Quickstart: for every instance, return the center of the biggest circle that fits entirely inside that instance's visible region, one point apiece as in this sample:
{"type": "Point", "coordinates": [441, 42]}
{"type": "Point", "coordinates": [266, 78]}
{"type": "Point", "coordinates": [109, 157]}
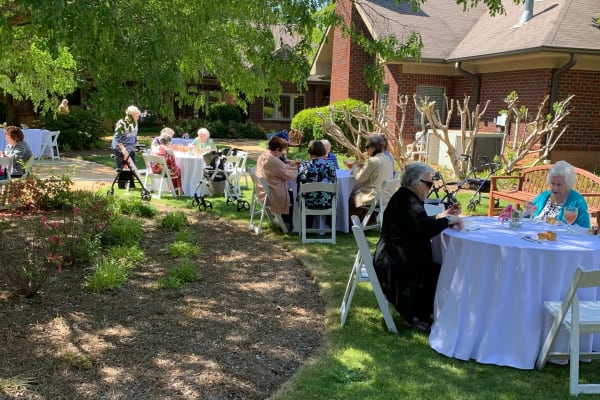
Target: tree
{"type": "Point", "coordinates": [154, 52]}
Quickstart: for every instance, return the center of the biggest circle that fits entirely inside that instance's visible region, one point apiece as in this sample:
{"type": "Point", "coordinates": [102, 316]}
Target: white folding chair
{"type": "Point", "coordinates": [386, 190]}
{"type": "Point", "coordinates": [7, 164]}
{"type": "Point", "coordinates": [417, 151]}
{"type": "Point", "coordinates": [50, 145]}
{"type": "Point", "coordinates": [363, 271]}
{"type": "Point", "coordinates": [577, 317]}
{"type": "Point", "coordinates": [434, 209]}
{"type": "Point", "coordinates": [160, 178]}
{"type": "Point", "coordinates": [305, 211]}
{"type": "Point", "coordinates": [260, 206]}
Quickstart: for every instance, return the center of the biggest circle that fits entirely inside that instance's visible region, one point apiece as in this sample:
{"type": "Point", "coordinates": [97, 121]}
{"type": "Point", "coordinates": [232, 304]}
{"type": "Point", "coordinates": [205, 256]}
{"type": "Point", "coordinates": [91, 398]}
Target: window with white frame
{"type": "Point", "coordinates": [383, 102]}
{"type": "Point", "coordinates": [289, 105]}
{"type": "Point", "coordinates": [432, 93]}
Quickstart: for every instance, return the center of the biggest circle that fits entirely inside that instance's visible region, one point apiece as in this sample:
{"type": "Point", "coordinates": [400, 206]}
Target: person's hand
{"type": "Point", "coordinates": [456, 222]}
{"type": "Point", "coordinates": [530, 208]}
{"type": "Point", "coordinates": [455, 209]}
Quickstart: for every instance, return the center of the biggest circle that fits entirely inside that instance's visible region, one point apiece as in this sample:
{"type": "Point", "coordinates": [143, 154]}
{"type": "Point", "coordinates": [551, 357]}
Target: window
{"type": "Point", "coordinates": [433, 93]}
{"type": "Point", "coordinates": [289, 105]}
{"type": "Point", "coordinates": [383, 102]}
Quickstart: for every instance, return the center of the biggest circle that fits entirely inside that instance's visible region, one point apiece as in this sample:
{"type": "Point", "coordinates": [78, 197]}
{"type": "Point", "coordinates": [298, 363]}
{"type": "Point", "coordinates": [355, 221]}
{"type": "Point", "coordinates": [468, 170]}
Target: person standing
{"type": "Point", "coordinates": [124, 141]}
{"type": "Point", "coordinates": [63, 108]}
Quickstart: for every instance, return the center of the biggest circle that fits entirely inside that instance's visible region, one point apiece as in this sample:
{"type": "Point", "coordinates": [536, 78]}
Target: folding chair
{"type": "Point", "coordinates": [577, 317]}
{"type": "Point", "coordinates": [386, 190]}
{"type": "Point", "coordinates": [163, 176]}
{"type": "Point", "coordinates": [51, 145]}
{"type": "Point", "coordinates": [305, 211]}
{"type": "Point", "coordinates": [260, 206]}
{"type": "Point", "coordinates": [363, 271]}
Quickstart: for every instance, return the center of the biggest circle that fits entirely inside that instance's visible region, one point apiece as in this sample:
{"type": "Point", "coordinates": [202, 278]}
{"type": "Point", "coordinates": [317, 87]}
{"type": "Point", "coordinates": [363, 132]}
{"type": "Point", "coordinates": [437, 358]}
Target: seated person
{"type": "Point", "coordinates": [316, 169]}
{"type": "Point", "coordinates": [277, 174]}
{"type": "Point", "coordinates": [164, 150]}
{"type": "Point", "coordinates": [551, 203]}
{"type": "Point", "coordinates": [164, 131]}
{"type": "Point", "coordinates": [18, 149]}
{"type": "Point", "coordinates": [329, 156]}
{"type": "Point", "coordinates": [370, 176]}
{"type": "Point", "coordinates": [203, 141]}
{"type": "Point", "coordinates": [403, 257]}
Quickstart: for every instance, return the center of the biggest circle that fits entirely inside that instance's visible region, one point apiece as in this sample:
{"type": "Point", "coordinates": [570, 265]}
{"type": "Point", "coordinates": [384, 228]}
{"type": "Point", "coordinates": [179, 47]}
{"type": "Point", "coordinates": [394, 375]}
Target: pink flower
{"type": "Point", "coordinates": [76, 210]}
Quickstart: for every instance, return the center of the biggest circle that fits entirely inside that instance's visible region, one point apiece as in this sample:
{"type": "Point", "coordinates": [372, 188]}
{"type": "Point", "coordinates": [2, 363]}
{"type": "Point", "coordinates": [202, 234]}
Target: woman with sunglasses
{"type": "Point", "coordinates": [370, 176]}
{"type": "Point", "coordinates": [403, 259]}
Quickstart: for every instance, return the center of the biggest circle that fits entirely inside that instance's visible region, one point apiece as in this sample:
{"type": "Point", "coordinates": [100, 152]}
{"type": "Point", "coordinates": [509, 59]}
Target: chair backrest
{"type": "Point", "coordinates": [54, 137]}
{"type": "Point", "coordinates": [310, 187]}
{"type": "Point", "coordinates": [258, 205]}
{"type": "Point", "coordinates": [434, 209]}
{"type": "Point", "coordinates": [295, 138]}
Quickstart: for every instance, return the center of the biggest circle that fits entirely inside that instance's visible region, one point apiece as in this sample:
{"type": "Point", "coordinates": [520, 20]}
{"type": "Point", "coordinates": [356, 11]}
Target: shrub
{"type": "Point", "coordinates": [124, 231]}
{"type": "Point", "coordinates": [135, 207]}
{"type": "Point", "coordinates": [180, 274]}
{"type": "Point", "coordinates": [173, 221]}
{"type": "Point", "coordinates": [108, 274]}
{"type": "Point", "coordinates": [35, 194]}
{"type": "Point", "coordinates": [311, 124]}
{"type": "Point", "coordinates": [185, 235]}
{"type": "Point", "coordinates": [182, 250]}
{"type": "Point", "coordinates": [127, 256]}
{"type": "Point", "coordinates": [79, 130]}
{"type": "Point", "coordinates": [224, 112]}
{"type": "Point", "coordinates": [218, 129]}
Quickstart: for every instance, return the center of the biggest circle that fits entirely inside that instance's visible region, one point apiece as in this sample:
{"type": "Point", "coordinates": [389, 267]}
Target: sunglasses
{"type": "Point", "coordinates": [428, 183]}
{"type": "Point", "coordinates": [367, 146]}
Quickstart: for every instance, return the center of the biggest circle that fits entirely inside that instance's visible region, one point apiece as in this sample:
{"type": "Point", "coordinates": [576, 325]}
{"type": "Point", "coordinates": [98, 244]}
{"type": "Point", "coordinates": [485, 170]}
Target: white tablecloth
{"type": "Point", "coordinates": [492, 286]}
{"type": "Point", "coordinates": [181, 142]}
{"type": "Point", "coordinates": [345, 183]}
{"type": "Point", "coordinates": [191, 167]}
{"type": "Point", "coordinates": [35, 138]}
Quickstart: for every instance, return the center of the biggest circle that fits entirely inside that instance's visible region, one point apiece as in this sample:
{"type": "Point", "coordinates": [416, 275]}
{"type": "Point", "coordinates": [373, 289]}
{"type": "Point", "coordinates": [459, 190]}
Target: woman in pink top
{"type": "Point", "coordinates": [276, 173]}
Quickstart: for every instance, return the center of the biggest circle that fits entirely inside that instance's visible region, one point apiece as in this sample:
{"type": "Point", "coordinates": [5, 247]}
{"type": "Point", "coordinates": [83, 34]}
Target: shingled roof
{"type": "Point", "coordinates": [449, 34]}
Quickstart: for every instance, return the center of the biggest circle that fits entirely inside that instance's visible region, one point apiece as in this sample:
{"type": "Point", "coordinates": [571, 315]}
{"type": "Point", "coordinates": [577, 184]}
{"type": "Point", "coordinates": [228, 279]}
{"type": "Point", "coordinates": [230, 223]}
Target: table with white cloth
{"type": "Point", "coordinates": [345, 184]}
{"type": "Point", "coordinates": [191, 167]}
{"type": "Point", "coordinates": [489, 302]}
{"type": "Point", "coordinates": [181, 142]}
{"type": "Point", "coordinates": [35, 138]}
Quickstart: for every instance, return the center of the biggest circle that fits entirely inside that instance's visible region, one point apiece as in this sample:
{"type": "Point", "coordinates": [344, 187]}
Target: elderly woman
{"type": "Point", "coordinates": [551, 203]}
{"type": "Point", "coordinates": [18, 149]}
{"type": "Point", "coordinates": [164, 150]}
{"type": "Point", "coordinates": [403, 259]}
{"type": "Point", "coordinates": [277, 174]}
{"type": "Point", "coordinates": [164, 131]}
{"type": "Point", "coordinates": [329, 156]}
{"type": "Point", "coordinates": [125, 139]}
{"type": "Point", "coordinates": [369, 176]}
{"type": "Point", "coordinates": [203, 141]}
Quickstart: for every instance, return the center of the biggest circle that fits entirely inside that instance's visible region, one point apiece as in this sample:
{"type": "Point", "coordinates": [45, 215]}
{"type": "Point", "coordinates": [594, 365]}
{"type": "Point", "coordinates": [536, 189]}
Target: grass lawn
{"type": "Point", "coordinates": [364, 361]}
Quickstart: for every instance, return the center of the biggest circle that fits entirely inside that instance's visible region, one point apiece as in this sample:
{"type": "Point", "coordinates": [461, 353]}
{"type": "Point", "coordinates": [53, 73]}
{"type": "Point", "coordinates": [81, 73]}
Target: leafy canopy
{"type": "Point", "coordinates": [148, 52]}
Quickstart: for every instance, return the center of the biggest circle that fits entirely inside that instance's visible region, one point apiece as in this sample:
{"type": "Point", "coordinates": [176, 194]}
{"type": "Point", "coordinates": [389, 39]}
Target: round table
{"type": "Point", "coordinates": [493, 284]}
{"type": "Point", "coordinates": [192, 168]}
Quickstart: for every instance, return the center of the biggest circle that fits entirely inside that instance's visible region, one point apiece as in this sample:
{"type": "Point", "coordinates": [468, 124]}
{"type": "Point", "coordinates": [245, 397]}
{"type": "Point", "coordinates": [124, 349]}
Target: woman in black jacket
{"type": "Point", "coordinates": [403, 259]}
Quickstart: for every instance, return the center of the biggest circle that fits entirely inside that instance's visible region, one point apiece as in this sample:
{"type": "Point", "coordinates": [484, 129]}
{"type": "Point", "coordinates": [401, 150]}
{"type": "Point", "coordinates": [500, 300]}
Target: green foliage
{"type": "Point", "coordinates": [182, 250]}
{"type": "Point", "coordinates": [218, 129]}
{"type": "Point", "coordinates": [79, 130]}
{"type": "Point", "coordinates": [129, 256]}
{"type": "Point", "coordinates": [135, 207]}
{"type": "Point", "coordinates": [311, 124]}
{"type": "Point", "coordinates": [596, 19]}
{"type": "Point", "coordinates": [177, 276]}
{"type": "Point", "coordinates": [224, 112]}
{"type": "Point", "coordinates": [185, 235]}
{"type": "Point", "coordinates": [33, 193]}
{"type": "Point", "coordinates": [78, 361]}
{"type": "Point", "coordinates": [108, 274]}
{"type": "Point", "coordinates": [173, 221]}
{"type": "Point", "coordinates": [124, 230]}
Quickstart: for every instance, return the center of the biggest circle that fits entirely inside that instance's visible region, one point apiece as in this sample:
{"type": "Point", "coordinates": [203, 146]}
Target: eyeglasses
{"type": "Point", "coordinates": [367, 146]}
{"type": "Point", "coordinates": [428, 183]}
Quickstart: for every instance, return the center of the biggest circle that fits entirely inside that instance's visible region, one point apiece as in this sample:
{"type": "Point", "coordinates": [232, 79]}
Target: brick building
{"type": "Point", "coordinates": [546, 47]}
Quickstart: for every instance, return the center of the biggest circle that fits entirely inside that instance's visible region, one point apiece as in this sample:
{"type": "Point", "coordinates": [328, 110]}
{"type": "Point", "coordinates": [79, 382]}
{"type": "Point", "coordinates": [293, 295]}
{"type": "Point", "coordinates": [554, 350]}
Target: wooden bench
{"type": "Point", "coordinates": [532, 182]}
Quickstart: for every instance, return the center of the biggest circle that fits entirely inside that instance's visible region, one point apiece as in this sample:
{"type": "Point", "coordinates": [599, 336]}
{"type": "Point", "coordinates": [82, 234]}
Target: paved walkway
{"type": "Point", "coordinates": [91, 175]}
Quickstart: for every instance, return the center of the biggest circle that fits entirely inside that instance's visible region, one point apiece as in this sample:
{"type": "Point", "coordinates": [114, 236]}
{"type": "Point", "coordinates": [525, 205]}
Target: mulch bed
{"type": "Point", "coordinates": [238, 333]}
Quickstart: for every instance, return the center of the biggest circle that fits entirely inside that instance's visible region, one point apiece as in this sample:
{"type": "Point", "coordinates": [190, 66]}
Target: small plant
{"type": "Point", "coordinates": [15, 383]}
{"type": "Point", "coordinates": [124, 231]}
{"type": "Point", "coordinates": [185, 235]}
{"type": "Point", "coordinates": [127, 256]}
{"type": "Point", "coordinates": [173, 221]}
{"type": "Point", "coordinates": [179, 275]}
{"type": "Point", "coordinates": [136, 208]}
{"type": "Point", "coordinates": [108, 274]}
{"type": "Point", "coordinates": [182, 250]}
{"type": "Point", "coordinates": [78, 362]}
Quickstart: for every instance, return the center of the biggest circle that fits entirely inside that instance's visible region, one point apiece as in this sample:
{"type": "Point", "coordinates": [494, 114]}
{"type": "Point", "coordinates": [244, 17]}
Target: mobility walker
{"type": "Point", "coordinates": [128, 173]}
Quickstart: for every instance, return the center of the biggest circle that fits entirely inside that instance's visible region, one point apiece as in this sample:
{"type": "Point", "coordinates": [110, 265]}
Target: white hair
{"type": "Point", "coordinates": [564, 169]}
{"type": "Point", "coordinates": [327, 144]}
{"type": "Point", "coordinates": [167, 131]}
{"type": "Point", "coordinates": [203, 131]}
{"type": "Point", "coordinates": [132, 110]}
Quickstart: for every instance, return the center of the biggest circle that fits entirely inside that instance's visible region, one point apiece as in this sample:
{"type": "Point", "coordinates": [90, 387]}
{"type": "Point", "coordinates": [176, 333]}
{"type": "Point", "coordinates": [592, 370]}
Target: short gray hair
{"type": "Point", "coordinates": [414, 172]}
{"type": "Point", "coordinates": [167, 131]}
{"type": "Point", "coordinates": [132, 110]}
{"type": "Point", "coordinates": [203, 131]}
{"type": "Point", "coordinates": [564, 169]}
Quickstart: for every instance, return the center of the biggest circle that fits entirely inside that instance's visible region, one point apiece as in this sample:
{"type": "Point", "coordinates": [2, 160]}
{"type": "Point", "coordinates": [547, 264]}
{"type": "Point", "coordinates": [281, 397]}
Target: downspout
{"type": "Point", "coordinates": [527, 12]}
{"type": "Point", "coordinates": [555, 79]}
{"type": "Point", "coordinates": [476, 78]}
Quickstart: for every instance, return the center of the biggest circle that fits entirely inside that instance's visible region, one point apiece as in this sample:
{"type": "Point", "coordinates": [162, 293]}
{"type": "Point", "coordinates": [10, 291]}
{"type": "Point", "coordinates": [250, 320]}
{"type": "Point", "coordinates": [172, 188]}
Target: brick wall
{"type": "Point", "coordinates": [348, 59]}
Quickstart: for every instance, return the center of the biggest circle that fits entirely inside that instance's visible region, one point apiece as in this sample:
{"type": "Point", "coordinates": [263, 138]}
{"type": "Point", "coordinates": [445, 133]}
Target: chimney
{"type": "Point", "coordinates": [527, 13]}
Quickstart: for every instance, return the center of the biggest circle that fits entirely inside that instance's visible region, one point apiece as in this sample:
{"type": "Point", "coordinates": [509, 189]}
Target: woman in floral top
{"type": "Point", "coordinates": [317, 169]}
